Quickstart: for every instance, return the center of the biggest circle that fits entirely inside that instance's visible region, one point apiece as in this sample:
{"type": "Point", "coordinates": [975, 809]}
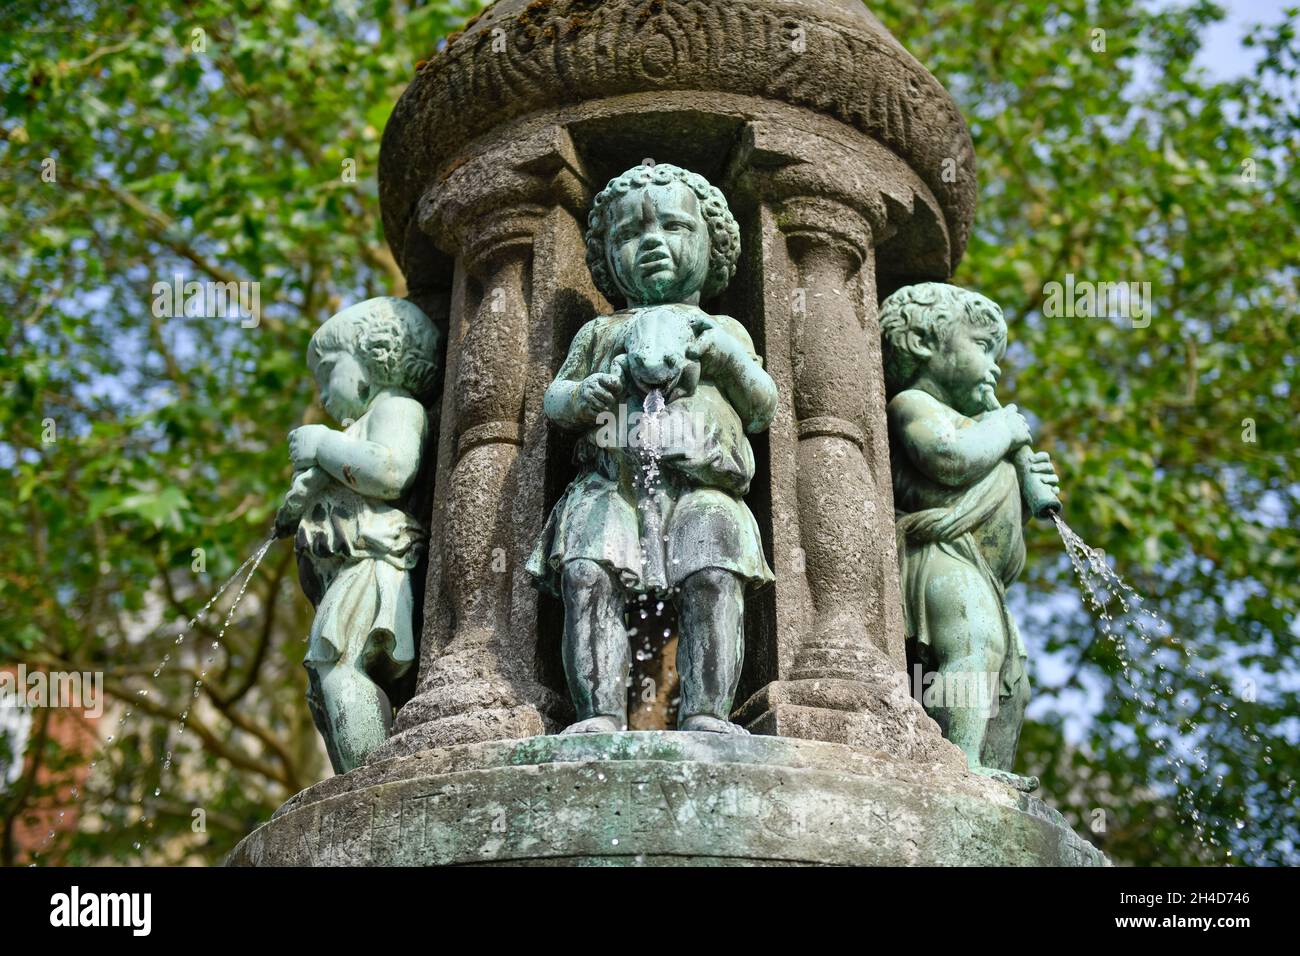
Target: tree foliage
{"type": "Point", "coordinates": [213, 139]}
{"type": "Point", "coordinates": [1175, 440]}
{"type": "Point", "coordinates": [210, 140]}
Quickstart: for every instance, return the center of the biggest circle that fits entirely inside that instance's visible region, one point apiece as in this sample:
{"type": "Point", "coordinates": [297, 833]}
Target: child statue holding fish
{"type": "Point", "coordinates": [647, 516]}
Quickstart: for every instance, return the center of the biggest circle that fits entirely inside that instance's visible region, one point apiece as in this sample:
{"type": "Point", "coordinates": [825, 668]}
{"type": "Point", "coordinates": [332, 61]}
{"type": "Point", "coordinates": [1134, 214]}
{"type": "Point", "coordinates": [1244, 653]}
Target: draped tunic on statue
{"type": "Point", "coordinates": [653, 534]}
{"type": "Point", "coordinates": [355, 557]}
{"type": "Point", "coordinates": [980, 525]}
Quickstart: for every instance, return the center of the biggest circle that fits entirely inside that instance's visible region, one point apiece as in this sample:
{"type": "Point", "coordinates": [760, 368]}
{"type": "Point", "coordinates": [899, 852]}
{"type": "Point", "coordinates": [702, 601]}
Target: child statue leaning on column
{"type": "Point", "coordinates": [661, 238]}
{"type": "Point", "coordinates": [350, 510]}
{"type": "Point", "coordinates": [963, 490]}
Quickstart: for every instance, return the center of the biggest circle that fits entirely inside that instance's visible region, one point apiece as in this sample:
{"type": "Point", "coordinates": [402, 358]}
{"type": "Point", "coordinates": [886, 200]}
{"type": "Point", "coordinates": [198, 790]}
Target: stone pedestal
{"type": "Point", "coordinates": [662, 799]}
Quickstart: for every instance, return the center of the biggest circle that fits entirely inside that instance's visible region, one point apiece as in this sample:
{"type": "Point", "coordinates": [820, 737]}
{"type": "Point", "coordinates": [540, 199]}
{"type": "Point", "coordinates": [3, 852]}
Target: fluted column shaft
{"type": "Point", "coordinates": [478, 677]}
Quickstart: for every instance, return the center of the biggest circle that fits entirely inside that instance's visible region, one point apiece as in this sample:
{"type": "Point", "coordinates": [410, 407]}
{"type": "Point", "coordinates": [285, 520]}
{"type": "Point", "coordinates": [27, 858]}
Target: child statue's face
{"type": "Point", "coordinates": [658, 245]}
{"type": "Point", "coordinates": [344, 385]}
{"type": "Point", "coordinates": [963, 365]}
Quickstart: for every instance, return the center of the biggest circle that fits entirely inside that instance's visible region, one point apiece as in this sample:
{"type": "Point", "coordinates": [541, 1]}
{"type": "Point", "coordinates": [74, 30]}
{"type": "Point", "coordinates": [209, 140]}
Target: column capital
{"type": "Point", "coordinates": [813, 223]}
{"type": "Point", "coordinates": [849, 186]}
{"type": "Point", "coordinates": [494, 201]}
{"type": "Point", "coordinates": [492, 241]}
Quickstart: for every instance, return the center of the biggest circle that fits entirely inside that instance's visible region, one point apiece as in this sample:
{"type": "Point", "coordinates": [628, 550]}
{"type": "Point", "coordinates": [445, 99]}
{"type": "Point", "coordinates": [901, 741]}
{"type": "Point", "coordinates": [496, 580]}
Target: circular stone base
{"type": "Point", "coordinates": [661, 797]}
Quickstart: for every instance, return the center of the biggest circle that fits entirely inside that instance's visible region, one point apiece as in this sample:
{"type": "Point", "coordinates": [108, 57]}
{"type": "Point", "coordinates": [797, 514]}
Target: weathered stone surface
{"type": "Point", "coordinates": [875, 715]}
{"type": "Point", "coordinates": [669, 798]}
{"type": "Point", "coordinates": [827, 56]}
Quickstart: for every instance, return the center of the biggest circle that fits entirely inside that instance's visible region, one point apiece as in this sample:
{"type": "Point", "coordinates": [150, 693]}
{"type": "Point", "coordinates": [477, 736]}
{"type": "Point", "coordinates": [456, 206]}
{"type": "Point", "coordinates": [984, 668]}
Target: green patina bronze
{"type": "Point", "coordinates": [351, 512]}
{"type": "Point", "coordinates": [664, 394]}
{"type": "Point", "coordinates": [965, 481]}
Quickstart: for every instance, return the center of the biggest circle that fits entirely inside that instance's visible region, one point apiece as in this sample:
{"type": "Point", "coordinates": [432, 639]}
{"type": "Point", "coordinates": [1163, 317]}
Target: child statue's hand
{"type": "Point", "coordinates": [304, 443]}
{"type": "Point", "coordinates": [1040, 466]}
{"type": "Point", "coordinates": [305, 485]}
{"type": "Point", "coordinates": [713, 348]}
{"type": "Point", "coordinates": [287, 517]}
{"type": "Point", "coordinates": [1013, 424]}
{"type": "Point", "coordinates": [599, 392]}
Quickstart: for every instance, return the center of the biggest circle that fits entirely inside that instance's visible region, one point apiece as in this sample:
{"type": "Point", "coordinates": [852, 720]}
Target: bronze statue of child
{"type": "Point", "coordinates": [963, 489]}
{"type": "Point", "coordinates": [351, 509]}
{"type": "Point", "coordinates": [672, 524]}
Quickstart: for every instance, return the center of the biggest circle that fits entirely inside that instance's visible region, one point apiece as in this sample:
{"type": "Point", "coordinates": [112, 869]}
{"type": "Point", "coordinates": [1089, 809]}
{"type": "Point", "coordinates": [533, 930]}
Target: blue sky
{"type": "Point", "coordinates": [1223, 55]}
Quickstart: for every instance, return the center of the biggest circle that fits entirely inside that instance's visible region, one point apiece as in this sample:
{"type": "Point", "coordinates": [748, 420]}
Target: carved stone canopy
{"type": "Point", "coordinates": [520, 57]}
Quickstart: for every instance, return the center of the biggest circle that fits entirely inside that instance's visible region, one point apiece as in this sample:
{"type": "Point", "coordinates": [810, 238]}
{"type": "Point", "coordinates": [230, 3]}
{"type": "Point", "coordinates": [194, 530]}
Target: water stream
{"type": "Point", "coordinates": [1121, 613]}
{"type": "Point", "coordinates": [145, 821]}
{"type": "Point", "coordinates": [649, 481]}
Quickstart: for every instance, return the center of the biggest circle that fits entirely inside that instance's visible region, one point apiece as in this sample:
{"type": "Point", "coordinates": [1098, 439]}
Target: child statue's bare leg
{"type": "Point", "coordinates": [969, 643]}
{"type": "Point", "coordinates": [1003, 734]}
{"type": "Point", "coordinates": [965, 624]}
{"type": "Point", "coordinates": [597, 660]}
{"type": "Point", "coordinates": [710, 649]}
{"type": "Point", "coordinates": [351, 712]}
{"type": "Point", "coordinates": [320, 717]}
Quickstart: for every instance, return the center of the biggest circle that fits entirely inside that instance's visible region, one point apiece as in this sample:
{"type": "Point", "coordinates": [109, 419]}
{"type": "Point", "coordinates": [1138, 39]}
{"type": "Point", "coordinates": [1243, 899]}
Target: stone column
{"type": "Point", "coordinates": [478, 676]}
{"type": "Point", "coordinates": [841, 656]}
{"type": "Point", "coordinates": [838, 405]}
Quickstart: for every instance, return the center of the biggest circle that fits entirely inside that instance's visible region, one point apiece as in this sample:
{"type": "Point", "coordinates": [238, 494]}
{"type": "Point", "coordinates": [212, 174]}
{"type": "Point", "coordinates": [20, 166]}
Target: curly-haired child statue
{"type": "Point", "coordinates": [350, 511]}
{"type": "Point", "coordinates": [657, 510]}
{"type": "Point", "coordinates": [965, 481]}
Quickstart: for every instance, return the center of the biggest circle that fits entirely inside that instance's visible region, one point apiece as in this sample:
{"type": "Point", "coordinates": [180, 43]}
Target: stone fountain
{"type": "Point", "coordinates": [850, 174]}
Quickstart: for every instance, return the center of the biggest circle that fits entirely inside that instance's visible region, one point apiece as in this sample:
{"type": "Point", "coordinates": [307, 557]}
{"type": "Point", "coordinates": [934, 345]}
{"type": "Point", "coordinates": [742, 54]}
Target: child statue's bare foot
{"type": "Point", "coordinates": [712, 725]}
{"type": "Point", "coordinates": [594, 725]}
{"type": "Point", "coordinates": [1023, 784]}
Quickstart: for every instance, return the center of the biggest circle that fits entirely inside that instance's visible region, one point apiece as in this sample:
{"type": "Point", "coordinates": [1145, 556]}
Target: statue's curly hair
{"type": "Point", "coordinates": [724, 234]}
{"type": "Point", "coordinates": [925, 314]}
{"type": "Point", "coordinates": [392, 337]}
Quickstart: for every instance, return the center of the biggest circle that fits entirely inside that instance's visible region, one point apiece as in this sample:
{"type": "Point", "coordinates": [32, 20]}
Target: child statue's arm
{"type": "Point", "coordinates": [943, 450]}
{"type": "Point", "coordinates": [381, 465]}
{"type": "Point", "coordinates": [306, 485]}
{"type": "Point", "coordinates": [726, 353]}
{"type": "Point", "coordinates": [577, 397]}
